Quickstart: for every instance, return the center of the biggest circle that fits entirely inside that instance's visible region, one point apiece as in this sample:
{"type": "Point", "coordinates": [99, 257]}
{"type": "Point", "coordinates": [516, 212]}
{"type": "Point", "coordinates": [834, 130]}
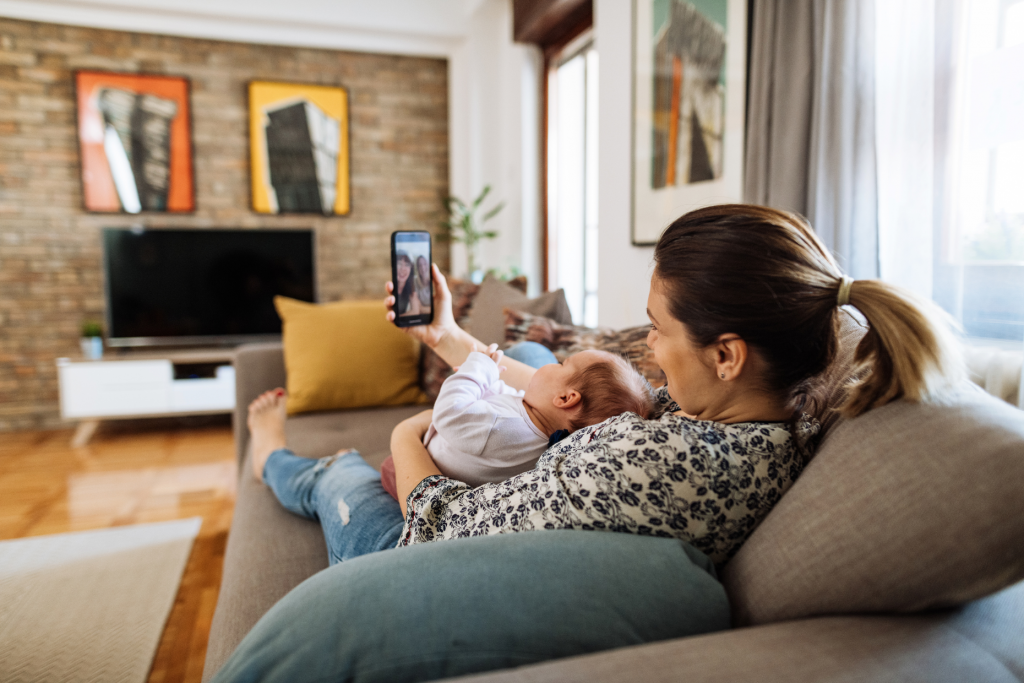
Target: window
{"type": "Point", "coordinates": [979, 275]}
{"type": "Point", "coordinates": [572, 180]}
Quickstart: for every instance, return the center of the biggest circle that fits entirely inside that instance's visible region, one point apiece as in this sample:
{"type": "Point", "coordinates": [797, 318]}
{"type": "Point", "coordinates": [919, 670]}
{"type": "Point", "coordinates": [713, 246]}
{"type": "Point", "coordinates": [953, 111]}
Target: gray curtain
{"type": "Point", "coordinates": [810, 121]}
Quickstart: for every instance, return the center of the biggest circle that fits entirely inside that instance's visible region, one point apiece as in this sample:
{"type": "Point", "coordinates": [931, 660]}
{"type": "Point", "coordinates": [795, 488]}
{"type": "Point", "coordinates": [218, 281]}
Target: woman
{"type": "Point", "coordinates": [743, 306]}
{"type": "Point", "coordinates": [423, 283]}
{"type": "Point", "coordinates": [406, 301]}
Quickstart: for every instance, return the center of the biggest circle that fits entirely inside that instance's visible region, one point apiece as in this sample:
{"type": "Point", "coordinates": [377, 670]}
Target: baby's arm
{"type": "Point", "coordinates": [461, 415]}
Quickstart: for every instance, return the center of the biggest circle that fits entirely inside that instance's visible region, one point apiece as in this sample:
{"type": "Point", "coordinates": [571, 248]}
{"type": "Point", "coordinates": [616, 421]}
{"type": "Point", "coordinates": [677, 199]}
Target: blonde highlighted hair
{"type": "Point", "coordinates": [764, 275]}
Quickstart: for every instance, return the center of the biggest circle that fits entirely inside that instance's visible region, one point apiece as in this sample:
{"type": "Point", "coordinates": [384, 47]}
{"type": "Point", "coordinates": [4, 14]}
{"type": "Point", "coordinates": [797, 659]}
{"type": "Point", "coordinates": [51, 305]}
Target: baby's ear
{"type": "Point", "coordinates": [567, 400]}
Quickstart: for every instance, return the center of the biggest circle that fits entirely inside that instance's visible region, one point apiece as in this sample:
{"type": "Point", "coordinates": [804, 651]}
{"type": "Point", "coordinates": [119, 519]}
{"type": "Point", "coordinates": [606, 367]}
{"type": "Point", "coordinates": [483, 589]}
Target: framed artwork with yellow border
{"type": "Point", "coordinates": [299, 148]}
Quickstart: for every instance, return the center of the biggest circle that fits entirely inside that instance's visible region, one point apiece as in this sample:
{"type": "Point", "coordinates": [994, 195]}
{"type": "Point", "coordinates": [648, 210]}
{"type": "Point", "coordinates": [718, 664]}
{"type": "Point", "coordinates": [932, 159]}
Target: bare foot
{"type": "Point", "coordinates": [266, 422]}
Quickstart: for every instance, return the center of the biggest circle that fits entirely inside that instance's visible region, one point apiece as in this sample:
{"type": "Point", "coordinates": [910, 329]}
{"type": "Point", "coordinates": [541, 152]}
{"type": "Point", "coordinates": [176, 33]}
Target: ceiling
{"type": "Point", "coordinates": [429, 27]}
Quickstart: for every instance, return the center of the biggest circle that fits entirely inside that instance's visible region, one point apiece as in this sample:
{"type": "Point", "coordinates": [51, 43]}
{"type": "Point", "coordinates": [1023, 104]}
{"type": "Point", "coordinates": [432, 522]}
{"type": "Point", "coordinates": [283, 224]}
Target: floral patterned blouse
{"type": "Point", "coordinates": [707, 483]}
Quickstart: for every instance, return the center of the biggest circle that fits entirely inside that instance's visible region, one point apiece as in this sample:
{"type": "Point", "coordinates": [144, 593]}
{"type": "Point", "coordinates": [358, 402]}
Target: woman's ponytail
{"type": "Point", "coordinates": [764, 275]}
{"type": "Point", "coordinates": [909, 350]}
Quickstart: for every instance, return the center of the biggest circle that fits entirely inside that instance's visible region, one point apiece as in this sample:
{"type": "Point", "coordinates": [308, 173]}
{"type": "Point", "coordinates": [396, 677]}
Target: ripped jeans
{"type": "Point", "coordinates": [341, 492]}
{"type": "Point", "coordinates": [345, 495]}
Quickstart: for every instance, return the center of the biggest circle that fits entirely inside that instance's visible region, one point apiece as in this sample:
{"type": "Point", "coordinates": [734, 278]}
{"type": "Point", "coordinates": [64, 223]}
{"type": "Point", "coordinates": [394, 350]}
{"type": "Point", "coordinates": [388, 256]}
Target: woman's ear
{"type": "Point", "coordinates": [731, 354]}
{"type": "Point", "coordinates": [567, 400]}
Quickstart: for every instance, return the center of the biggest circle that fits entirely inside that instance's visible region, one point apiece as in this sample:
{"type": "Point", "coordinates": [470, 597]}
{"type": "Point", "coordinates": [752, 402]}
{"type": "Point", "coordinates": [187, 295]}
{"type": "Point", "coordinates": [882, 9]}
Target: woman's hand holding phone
{"type": "Point", "coordinates": [444, 320]}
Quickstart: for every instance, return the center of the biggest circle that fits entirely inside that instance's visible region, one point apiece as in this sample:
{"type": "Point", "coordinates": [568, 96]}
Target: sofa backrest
{"type": "Point", "coordinates": [904, 508]}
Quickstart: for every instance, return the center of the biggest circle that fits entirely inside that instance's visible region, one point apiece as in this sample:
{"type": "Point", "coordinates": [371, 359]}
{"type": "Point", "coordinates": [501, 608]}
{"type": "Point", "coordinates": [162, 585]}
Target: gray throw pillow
{"type": "Point", "coordinates": [487, 318]}
{"type": "Point", "coordinates": [907, 507]}
{"type": "Point", "coordinates": [477, 604]}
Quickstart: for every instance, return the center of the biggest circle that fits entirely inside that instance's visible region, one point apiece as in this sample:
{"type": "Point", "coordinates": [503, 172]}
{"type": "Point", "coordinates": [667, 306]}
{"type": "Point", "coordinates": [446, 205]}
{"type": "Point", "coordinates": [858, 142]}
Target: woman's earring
{"type": "Point", "coordinates": [723, 375]}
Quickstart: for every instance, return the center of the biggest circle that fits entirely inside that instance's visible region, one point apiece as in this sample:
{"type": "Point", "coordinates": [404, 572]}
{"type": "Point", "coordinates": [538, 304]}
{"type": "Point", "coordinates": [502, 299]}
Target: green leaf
{"type": "Point", "coordinates": [483, 194]}
{"type": "Point", "coordinates": [91, 328]}
{"type": "Point", "coordinates": [492, 213]}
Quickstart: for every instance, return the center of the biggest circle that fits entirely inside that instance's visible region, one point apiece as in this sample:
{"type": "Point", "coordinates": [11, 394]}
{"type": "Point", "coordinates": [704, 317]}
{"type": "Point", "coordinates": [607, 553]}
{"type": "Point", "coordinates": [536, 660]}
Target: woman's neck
{"type": "Point", "coordinates": [749, 407]}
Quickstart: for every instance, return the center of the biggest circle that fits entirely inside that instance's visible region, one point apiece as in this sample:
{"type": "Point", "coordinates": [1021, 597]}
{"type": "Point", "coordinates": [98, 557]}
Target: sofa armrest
{"type": "Point", "coordinates": [258, 368]}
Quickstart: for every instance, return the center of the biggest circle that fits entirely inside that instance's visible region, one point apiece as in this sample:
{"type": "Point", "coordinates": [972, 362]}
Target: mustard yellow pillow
{"type": "Point", "coordinates": [346, 355]}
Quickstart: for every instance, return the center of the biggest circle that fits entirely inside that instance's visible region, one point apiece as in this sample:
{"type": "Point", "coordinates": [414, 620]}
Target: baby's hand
{"type": "Point", "coordinates": [492, 352]}
{"type": "Point", "coordinates": [496, 355]}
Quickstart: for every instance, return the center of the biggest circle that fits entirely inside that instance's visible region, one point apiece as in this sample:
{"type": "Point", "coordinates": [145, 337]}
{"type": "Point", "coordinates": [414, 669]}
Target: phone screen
{"type": "Point", "coordinates": [412, 277]}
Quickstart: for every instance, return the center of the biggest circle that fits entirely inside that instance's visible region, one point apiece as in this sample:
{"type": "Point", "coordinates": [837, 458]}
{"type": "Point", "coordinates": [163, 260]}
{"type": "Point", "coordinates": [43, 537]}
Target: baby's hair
{"type": "Point", "coordinates": [608, 387]}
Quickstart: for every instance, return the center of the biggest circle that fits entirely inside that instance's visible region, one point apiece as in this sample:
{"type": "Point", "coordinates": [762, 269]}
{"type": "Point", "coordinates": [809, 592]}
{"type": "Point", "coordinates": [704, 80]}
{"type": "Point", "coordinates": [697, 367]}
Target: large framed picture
{"type": "Point", "coordinates": [135, 136]}
{"type": "Point", "coordinates": [299, 148]}
{"type": "Point", "coordinates": [689, 90]}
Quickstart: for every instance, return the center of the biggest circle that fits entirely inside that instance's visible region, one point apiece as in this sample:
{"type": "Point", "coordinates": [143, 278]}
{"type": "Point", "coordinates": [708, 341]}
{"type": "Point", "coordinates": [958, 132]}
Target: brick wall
{"type": "Point", "coordinates": [50, 260]}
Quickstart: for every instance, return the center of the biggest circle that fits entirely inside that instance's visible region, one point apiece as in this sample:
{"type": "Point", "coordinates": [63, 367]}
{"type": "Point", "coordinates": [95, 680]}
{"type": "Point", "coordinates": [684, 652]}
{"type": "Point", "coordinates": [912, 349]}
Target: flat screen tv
{"type": "Point", "coordinates": [194, 287]}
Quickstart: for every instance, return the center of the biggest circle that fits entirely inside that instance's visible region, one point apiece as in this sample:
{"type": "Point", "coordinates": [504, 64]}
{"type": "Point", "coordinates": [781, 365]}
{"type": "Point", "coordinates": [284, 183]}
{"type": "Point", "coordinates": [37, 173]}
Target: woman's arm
{"type": "Point", "coordinates": [450, 341]}
{"type": "Point", "coordinates": [413, 463]}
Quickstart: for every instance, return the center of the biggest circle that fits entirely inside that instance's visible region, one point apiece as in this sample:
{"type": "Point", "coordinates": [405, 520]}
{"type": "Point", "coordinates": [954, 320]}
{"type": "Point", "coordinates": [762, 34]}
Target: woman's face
{"type": "Point", "coordinates": [689, 369]}
{"type": "Point", "coordinates": [404, 268]}
{"type": "Point", "coordinates": [423, 268]}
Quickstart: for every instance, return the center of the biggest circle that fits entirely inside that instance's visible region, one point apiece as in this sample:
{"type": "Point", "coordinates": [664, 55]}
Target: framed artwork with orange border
{"type": "Point", "coordinates": [135, 136]}
{"type": "Point", "coordinates": [299, 148]}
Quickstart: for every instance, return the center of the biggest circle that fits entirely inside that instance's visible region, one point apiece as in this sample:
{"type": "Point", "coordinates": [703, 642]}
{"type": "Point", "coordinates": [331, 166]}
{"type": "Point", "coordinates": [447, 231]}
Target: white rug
{"type": "Point", "coordinates": [89, 606]}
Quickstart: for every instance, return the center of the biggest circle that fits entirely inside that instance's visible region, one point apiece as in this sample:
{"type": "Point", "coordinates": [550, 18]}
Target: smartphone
{"type": "Point", "coordinates": [413, 277]}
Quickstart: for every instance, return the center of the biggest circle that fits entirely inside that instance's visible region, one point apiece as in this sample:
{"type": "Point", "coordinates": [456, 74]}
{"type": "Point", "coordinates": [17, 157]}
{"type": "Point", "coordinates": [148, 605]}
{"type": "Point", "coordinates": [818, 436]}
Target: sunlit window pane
{"type": "Point", "coordinates": [985, 258]}
{"type": "Point", "coordinates": [572, 184]}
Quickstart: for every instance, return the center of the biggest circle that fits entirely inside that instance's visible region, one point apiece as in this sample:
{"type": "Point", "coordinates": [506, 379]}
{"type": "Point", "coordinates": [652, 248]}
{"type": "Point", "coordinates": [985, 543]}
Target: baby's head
{"type": "Point", "coordinates": [589, 387]}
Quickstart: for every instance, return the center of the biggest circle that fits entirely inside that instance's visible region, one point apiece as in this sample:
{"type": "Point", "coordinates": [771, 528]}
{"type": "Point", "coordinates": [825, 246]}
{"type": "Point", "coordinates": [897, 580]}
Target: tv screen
{"type": "Point", "coordinates": [202, 286]}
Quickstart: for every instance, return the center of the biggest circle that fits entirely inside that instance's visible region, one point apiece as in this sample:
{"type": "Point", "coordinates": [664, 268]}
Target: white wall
{"type": "Point", "coordinates": [495, 116]}
{"type": "Point", "coordinates": [494, 84]}
{"type": "Point", "coordinates": [624, 271]}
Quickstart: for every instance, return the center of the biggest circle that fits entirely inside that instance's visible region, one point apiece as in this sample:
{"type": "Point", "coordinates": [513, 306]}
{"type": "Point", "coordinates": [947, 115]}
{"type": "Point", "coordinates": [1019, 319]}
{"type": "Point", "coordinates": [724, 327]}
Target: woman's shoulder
{"type": "Point", "coordinates": [680, 431]}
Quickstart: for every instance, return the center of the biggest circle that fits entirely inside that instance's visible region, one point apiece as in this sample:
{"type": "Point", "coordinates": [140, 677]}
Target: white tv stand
{"type": "Point", "coordinates": [144, 384]}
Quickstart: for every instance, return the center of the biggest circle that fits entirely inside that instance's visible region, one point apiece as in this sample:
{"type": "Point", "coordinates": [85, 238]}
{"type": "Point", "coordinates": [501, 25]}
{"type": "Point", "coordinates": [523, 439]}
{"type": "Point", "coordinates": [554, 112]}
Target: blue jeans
{"type": "Point", "coordinates": [344, 493]}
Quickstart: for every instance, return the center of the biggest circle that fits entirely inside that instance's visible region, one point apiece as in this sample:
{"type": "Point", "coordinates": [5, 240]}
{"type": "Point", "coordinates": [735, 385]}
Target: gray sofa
{"type": "Point", "coordinates": [897, 555]}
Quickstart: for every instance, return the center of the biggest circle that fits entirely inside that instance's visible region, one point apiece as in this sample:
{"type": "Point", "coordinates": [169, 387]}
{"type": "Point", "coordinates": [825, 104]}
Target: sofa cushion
{"type": "Point", "coordinates": [486, 319]}
{"type": "Point", "coordinates": [904, 508]}
{"type": "Point", "coordinates": [316, 435]}
{"type": "Point", "coordinates": [346, 355]}
{"type": "Point", "coordinates": [477, 604]}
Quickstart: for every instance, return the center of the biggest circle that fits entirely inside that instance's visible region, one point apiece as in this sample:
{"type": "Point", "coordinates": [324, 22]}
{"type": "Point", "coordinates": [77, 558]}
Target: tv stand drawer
{"type": "Point", "coordinates": [135, 388]}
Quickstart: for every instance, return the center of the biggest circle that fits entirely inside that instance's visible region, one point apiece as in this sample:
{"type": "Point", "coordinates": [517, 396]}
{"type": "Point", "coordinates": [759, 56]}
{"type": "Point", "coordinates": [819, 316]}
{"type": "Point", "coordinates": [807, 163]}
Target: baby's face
{"type": "Point", "coordinates": [552, 381]}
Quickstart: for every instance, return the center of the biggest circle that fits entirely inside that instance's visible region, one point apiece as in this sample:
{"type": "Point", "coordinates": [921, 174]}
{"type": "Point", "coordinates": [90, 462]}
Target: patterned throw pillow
{"type": "Point", "coordinates": [565, 340]}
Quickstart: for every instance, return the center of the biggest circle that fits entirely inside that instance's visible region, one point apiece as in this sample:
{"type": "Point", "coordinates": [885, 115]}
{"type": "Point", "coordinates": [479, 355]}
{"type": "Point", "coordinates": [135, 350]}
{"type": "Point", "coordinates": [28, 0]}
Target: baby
{"type": "Point", "coordinates": [485, 431]}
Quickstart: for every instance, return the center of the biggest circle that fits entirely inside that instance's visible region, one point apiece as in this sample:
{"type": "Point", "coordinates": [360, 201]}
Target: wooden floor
{"type": "Point", "coordinates": [132, 473]}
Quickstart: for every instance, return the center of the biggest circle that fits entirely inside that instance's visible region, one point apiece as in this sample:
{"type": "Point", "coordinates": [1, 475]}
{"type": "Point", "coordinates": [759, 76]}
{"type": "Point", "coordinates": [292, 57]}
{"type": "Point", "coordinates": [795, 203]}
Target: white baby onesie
{"type": "Point", "coordinates": [480, 431]}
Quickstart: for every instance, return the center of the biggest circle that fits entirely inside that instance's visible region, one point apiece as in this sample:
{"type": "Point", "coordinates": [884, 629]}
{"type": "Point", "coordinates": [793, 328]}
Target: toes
{"type": "Point", "coordinates": [267, 400]}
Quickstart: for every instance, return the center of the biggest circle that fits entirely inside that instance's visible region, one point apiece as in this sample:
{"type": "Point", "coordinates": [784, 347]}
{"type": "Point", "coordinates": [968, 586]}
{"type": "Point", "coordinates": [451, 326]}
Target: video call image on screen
{"type": "Point", "coordinates": [412, 274]}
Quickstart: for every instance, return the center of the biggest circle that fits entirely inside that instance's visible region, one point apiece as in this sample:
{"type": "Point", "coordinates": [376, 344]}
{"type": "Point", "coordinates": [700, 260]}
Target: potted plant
{"type": "Point", "coordinates": [464, 226]}
{"type": "Point", "coordinates": [92, 340]}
